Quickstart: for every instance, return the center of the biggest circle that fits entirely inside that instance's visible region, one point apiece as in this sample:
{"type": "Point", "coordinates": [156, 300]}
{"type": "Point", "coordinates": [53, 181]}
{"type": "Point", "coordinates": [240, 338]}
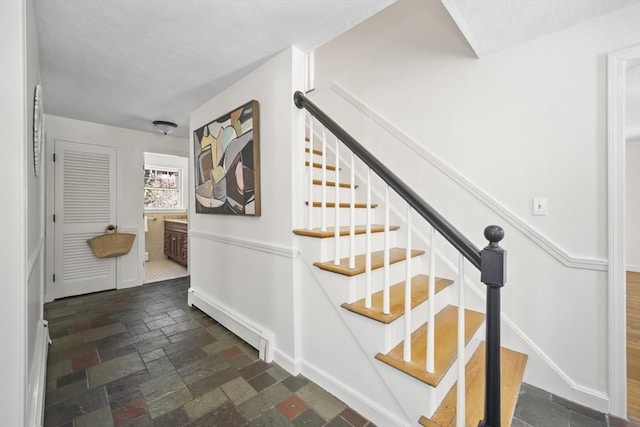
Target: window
{"type": "Point", "coordinates": [163, 188]}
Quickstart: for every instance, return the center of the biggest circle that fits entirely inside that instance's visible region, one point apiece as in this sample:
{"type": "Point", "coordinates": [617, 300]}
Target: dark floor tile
{"type": "Point", "coordinates": [180, 327]}
{"type": "Point", "coordinates": [308, 418]}
{"type": "Point", "coordinates": [583, 410]}
{"type": "Point", "coordinates": [338, 422]}
{"type": "Point", "coordinates": [175, 418]}
{"type": "Point", "coordinates": [160, 367]}
{"type": "Point", "coordinates": [254, 369]}
{"type": "Point", "coordinates": [141, 421]}
{"type": "Point", "coordinates": [61, 413]}
{"type": "Point", "coordinates": [262, 381]}
{"type": "Point", "coordinates": [295, 383]}
{"type": "Point", "coordinates": [124, 397]}
{"type": "Point", "coordinates": [80, 375]}
{"type": "Point", "coordinates": [129, 382]}
{"type": "Point", "coordinates": [354, 418]}
{"type": "Point", "coordinates": [270, 418]}
{"type": "Point", "coordinates": [107, 354]}
{"type": "Point", "coordinates": [152, 344]}
{"type": "Point", "coordinates": [579, 420]}
{"type": "Point", "coordinates": [210, 382]}
{"type": "Point", "coordinates": [129, 412]}
{"type": "Point", "coordinates": [541, 412]}
{"type": "Point", "coordinates": [226, 415]}
{"type": "Point", "coordinates": [186, 356]}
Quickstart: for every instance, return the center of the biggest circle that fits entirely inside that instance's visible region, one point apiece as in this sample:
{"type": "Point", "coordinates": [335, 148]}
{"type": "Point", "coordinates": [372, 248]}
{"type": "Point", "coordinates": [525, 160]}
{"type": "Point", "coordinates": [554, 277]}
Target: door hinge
{"type": "Point", "coordinates": [54, 217]}
{"type": "Point", "coordinates": [54, 278]}
{"type": "Point", "coordinates": [54, 157]}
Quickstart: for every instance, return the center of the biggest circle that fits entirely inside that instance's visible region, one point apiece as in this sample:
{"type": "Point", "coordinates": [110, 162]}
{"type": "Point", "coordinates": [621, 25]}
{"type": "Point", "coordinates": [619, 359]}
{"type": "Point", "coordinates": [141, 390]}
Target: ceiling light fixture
{"type": "Point", "coordinates": [165, 127]}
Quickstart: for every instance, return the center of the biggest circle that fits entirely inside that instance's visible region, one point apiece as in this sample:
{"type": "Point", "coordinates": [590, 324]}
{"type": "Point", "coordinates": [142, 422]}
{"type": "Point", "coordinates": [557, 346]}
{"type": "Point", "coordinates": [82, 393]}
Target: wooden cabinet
{"type": "Point", "coordinates": [176, 241]}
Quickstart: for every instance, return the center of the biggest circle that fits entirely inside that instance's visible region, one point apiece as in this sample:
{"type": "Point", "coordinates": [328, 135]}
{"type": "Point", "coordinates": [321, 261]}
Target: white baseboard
{"type": "Point", "coordinates": [37, 377]}
{"type": "Point", "coordinates": [351, 397]}
{"type": "Point", "coordinates": [252, 334]}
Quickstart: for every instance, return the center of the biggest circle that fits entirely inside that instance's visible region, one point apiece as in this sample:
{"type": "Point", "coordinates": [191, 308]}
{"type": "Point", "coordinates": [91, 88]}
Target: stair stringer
{"type": "Point", "coordinates": [414, 397]}
{"type": "Point", "coordinates": [356, 395]}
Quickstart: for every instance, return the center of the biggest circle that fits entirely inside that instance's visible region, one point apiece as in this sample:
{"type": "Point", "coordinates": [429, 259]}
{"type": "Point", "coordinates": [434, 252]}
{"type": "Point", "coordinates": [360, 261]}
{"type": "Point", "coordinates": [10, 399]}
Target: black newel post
{"type": "Point", "coordinates": [493, 273]}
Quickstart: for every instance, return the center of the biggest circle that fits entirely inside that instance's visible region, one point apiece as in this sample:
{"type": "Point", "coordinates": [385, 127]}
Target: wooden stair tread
{"type": "Point", "coordinates": [344, 231]}
{"type": "Point", "coordinates": [512, 364]}
{"type": "Point", "coordinates": [446, 340]}
{"type": "Point", "coordinates": [377, 261]}
{"type": "Point", "coordinates": [333, 184]}
{"type": "Point", "coordinates": [315, 151]}
{"type": "Point", "coordinates": [319, 166]}
{"type": "Point", "coordinates": [343, 205]}
{"type": "Point", "coordinates": [419, 294]}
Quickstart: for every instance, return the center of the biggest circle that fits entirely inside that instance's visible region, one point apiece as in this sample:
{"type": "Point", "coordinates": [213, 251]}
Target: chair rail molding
{"type": "Point", "coordinates": [283, 251]}
{"type": "Point", "coordinates": [544, 242]}
{"type": "Point", "coordinates": [617, 62]}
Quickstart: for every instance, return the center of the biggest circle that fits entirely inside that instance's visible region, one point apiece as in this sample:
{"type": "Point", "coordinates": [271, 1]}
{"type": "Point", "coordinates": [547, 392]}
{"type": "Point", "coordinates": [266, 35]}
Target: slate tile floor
{"type": "Point", "coordinates": [142, 357]}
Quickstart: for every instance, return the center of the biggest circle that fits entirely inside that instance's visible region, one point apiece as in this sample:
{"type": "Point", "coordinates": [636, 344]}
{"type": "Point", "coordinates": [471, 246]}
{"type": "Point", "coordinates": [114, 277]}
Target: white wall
{"type": "Point", "coordinates": [21, 217]}
{"type": "Point", "coordinates": [244, 264]}
{"type": "Point", "coordinates": [131, 146]}
{"type": "Point", "coordinates": [528, 121]}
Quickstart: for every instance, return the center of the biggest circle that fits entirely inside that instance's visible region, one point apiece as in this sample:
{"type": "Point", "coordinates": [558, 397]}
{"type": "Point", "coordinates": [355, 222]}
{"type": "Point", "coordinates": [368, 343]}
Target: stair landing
{"type": "Point", "coordinates": [511, 372]}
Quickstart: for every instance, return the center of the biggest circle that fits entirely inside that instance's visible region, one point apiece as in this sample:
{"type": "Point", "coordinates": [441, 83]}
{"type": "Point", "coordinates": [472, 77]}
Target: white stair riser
{"type": "Point", "coordinates": [345, 215]}
{"type": "Point", "coordinates": [344, 193]}
{"type": "Point", "coordinates": [341, 288]}
{"type": "Point", "coordinates": [326, 247]}
{"type": "Point", "coordinates": [376, 336]}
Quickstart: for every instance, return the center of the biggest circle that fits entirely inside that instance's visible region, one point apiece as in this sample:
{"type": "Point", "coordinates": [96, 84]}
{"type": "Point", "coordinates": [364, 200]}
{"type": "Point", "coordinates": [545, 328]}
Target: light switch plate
{"type": "Point", "coordinates": [540, 206]}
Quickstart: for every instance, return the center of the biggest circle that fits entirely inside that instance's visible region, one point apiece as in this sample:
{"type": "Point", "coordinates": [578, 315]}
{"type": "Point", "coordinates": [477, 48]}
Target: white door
{"type": "Point", "coordinates": [85, 202]}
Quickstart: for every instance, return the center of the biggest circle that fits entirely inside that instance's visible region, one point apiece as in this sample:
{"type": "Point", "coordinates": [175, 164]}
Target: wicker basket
{"type": "Point", "coordinates": [112, 243]}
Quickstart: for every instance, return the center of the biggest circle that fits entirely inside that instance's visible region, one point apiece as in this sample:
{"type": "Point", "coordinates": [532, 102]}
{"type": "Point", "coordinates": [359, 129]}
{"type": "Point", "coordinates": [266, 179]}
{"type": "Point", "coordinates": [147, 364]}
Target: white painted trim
{"type": "Point", "coordinates": [287, 363]}
{"type": "Point", "coordinates": [351, 397]}
{"type": "Point", "coordinates": [37, 377]}
{"type": "Point", "coordinates": [634, 268]}
{"type": "Point", "coordinates": [34, 256]}
{"type": "Point", "coordinates": [561, 255]}
{"type": "Point", "coordinates": [615, 185]}
{"type": "Point", "coordinates": [268, 248]}
{"type": "Point", "coordinates": [261, 339]}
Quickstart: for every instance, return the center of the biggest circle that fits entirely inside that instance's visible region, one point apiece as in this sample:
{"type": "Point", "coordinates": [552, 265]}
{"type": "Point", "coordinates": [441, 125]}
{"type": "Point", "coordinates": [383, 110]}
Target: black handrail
{"type": "Point", "coordinates": [491, 261]}
{"type": "Point", "coordinates": [446, 229]}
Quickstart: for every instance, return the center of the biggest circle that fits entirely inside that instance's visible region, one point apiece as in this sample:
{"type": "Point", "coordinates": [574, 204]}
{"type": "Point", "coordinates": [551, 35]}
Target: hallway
{"type": "Point", "coordinates": [142, 357]}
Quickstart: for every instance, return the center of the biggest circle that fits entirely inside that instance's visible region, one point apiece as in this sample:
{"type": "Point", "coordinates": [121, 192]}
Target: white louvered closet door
{"type": "Point", "coordinates": [85, 195]}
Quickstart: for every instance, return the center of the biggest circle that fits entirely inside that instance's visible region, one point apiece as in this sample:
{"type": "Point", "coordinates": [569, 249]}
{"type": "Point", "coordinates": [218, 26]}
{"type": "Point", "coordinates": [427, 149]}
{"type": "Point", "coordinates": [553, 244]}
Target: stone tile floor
{"type": "Point", "coordinates": [142, 357]}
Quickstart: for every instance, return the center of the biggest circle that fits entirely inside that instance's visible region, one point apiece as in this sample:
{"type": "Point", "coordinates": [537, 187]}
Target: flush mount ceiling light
{"type": "Point", "coordinates": [165, 127]}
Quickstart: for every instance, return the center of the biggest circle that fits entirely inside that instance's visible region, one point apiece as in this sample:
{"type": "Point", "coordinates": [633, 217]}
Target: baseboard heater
{"type": "Point", "coordinates": [38, 376]}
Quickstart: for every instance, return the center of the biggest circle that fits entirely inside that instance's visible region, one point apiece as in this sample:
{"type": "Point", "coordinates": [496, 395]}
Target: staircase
{"type": "Point", "coordinates": [417, 329]}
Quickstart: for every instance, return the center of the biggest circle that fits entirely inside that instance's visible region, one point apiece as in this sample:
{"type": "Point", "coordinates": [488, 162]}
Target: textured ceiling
{"type": "Point", "coordinates": [129, 62]}
{"type": "Point", "coordinates": [493, 25]}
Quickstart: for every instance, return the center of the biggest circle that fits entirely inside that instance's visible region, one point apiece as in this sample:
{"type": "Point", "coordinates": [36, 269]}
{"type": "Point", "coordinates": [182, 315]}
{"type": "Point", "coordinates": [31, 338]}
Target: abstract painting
{"type": "Point", "coordinates": [227, 163]}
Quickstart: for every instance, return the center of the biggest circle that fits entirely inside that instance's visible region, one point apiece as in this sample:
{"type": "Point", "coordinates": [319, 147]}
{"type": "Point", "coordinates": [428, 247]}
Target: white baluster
{"type": "Point", "coordinates": [323, 209]}
{"type": "Point", "coordinates": [367, 268]}
{"type": "Point", "coordinates": [460, 403]}
{"type": "Point", "coordinates": [336, 222]}
{"type": "Point", "coordinates": [310, 222]}
{"type": "Point", "coordinates": [407, 293]}
{"type": "Point", "coordinates": [352, 225]}
{"type": "Point", "coordinates": [431, 341]}
{"type": "Point", "coordinates": [386, 309]}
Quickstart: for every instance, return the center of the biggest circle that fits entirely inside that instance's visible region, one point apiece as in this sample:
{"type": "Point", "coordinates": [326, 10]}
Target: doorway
{"type": "Point", "coordinates": [623, 123]}
{"type": "Point", "coordinates": [166, 210]}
